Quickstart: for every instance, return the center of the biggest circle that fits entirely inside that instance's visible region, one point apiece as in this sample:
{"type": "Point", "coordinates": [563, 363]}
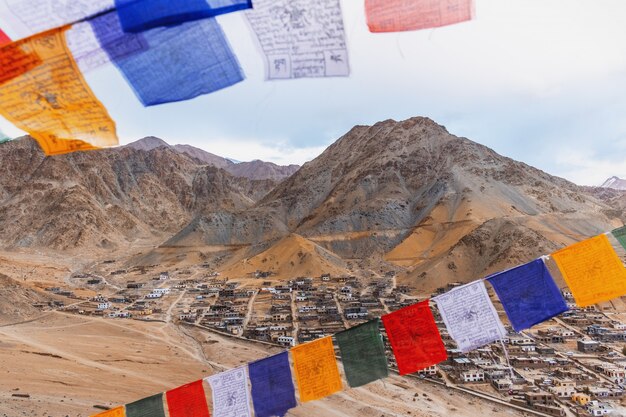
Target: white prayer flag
{"type": "Point", "coordinates": [470, 317]}
{"type": "Point", "coordinates": [300, 38]}
{"type": "Point", "coordinates": [22, 18]}
{"type": "Point", "coordinates": [230, 393]}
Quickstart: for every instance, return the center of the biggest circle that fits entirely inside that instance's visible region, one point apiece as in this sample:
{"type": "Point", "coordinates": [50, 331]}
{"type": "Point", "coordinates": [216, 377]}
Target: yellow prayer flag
{"type": "Point", "coordinates": [592, 270]}
{"type": "Point", "coordinates": [114, 412]}
{"type": "Point", "coordinates": [316, 369]}
{"type": "Point", "coordinates": [46, 95]}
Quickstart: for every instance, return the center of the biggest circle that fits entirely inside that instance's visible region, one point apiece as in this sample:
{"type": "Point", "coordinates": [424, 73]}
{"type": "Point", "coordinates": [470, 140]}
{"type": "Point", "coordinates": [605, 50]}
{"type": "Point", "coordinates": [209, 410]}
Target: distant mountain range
{"type": "Point", "coordinates": [614, 183]}
{"type": "Point", "coordinates": [254, 170]}
{"type": "Point", "coordinates": [408, 194]}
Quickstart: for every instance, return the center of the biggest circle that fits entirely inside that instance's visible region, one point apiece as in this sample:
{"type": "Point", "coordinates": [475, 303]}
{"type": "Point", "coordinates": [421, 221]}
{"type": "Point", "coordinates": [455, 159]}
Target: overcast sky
{"type": "Point", "coordinates": [541, 81]}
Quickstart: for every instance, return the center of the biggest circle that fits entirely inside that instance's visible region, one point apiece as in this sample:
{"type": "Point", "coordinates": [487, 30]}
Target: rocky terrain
{"type": "Point", "coordinates": [406, 193]}
{"type": "Point", "coordinates": [254, 170]}
{"type": "Point", "coordinates": [406, 197]}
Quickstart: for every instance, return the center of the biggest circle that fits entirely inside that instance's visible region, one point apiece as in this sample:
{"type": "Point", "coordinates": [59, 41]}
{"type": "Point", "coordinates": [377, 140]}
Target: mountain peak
{"type": "Point", "coordinates": [148, 143]}
{"type": "Point", "coordinates": [615, 183]}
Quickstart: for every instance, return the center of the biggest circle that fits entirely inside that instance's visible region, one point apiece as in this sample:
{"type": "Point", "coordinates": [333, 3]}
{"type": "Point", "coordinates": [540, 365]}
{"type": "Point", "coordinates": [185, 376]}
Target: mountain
{"type": "Point", "coordinates": [413, 195]}
{"type": "Point", "coordinates": [110, 198]}
{"type": "Point", "coordinates": [254, 170]}
{"type": "Point", "coordinates": [204, 156]}
{"type": "Point", "coordinates": [404, 195]}
{"type": "Point", "coordinates": [148, 143]}
{"type": "Point", "coordinates": [614, 183]}
{"type": "Point", "coordinates": [262, 170]}
{"type": "Point", "coordinates": [292, 256]}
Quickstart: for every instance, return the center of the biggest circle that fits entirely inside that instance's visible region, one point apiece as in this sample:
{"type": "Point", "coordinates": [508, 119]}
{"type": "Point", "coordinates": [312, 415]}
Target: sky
{"type": "Point", "coordinates": [540, 81]}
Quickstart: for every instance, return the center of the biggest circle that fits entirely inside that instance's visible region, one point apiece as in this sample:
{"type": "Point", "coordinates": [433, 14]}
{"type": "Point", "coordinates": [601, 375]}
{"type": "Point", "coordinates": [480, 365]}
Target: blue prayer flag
{"type": "Point", "coordinates": [178, 63]}
{"type": "Point", "coordinates": [272, 386]}
{"type": "Point", "coordinates": [528, 294]}
{"type": "Point", "coordinates": [140, 15]}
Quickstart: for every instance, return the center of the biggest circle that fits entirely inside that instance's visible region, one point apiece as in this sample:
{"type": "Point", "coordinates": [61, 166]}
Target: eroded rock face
{"type": "Point", "coordinates": [408, 193]}
{"type": "Point", "coordinates": [105, 198]}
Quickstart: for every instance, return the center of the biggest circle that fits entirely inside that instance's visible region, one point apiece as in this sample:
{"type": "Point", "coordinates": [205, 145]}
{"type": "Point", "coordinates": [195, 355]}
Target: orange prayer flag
{"type": "Point", "coordinates": [114, 412]}
{"type": "Point", "coordinates": [316, 369]}
{"type": "Point", "coordinates": [50, 99]}
{"type": "Point", "coordinates": [402, 15]}
{"type": "Point", "coordinates": [592, 270]}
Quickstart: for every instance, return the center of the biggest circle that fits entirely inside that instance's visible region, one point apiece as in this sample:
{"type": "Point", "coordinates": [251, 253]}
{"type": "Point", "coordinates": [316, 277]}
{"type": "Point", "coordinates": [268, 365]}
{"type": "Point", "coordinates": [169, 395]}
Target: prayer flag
{"type": "Point", "coordinates": [43, 93]}
{"type": "Point", "coordinates": [87, 47]}
{"type": "Point", "coordinates": [403, 15]}
{"type": "Point", "coordinates": [179, 63]}
{"type": "Point", "coordinates": [363, 353]}
{"type": "Point", "coordinates": [620, 235]}
{"type": "Point", "coordinates": [469, 316]}
{"type": "Point", "coordinates": [23, 18]}
{"type": "Point", "coordinates": [230, 393]}
{"type": "Point", "coordinates": [528, 294]}
{"type": "Point", "coordinates": [316, 369]}
{"type": "Point", "coordinates": [273, 393]}
{"type": "Point", "coordinates": [147, 407]}
{"type": "Point", "coordinates": [187, 401]}
{"type": "Point", "coordinates": [300, 38]}
{"type": "Point", "coordinates": [592, 270]}
{"type": "Point", "coordinates": [4, 39]}
{"type": "Point", "coordinates": [414, 338]}
{"type": "Point", "coordinates": [140, 15]}
{"type": "Point", "coordinates": [114, 412]}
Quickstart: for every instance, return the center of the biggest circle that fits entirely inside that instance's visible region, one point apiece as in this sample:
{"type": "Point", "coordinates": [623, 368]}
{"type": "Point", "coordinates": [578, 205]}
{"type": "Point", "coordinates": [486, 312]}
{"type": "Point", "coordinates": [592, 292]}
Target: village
{"type": "Point", "coordinates": [572, 365]}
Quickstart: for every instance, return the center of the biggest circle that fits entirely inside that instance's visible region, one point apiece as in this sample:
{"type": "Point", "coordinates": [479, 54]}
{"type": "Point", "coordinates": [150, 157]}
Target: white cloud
{"type": "Point", "coordinates": [585, 168]}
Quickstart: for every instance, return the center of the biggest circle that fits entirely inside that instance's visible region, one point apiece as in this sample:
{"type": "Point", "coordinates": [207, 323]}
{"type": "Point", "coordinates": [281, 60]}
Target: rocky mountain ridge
{"type": "Point", "coordinates": [254, 170]}
{"type": "Point", "coordinates": [406, 194]}
{"type": "Point", "coordinates": [614, 183]}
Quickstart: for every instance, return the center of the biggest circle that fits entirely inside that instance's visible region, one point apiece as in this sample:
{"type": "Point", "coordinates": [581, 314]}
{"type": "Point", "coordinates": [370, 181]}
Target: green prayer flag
{"type": "Point", "coordinates": [148, 407]}
{"type": "Point", "coordinates": [363, 353]}
{"type": "Point", "coordinates": [620, 235]}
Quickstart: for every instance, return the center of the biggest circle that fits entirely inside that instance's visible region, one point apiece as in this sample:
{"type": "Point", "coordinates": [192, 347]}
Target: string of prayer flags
{"type": "Point", "coordinates": [230, 393]}
{"type": "Point", "coordinates": [300, 38]}
{"type": "Point", "coordinates": [414, 337]}
{"type": "Point", "coordinates": [23, 18]}
{"type": "Point", "coordinates": [114, 412]}
{"type": "Point", "coordinates": [4, 39]}
{"type": "Point", "coordinates": [316, 369]}
{"type": "Point", "coordinates": [140, 15]}
{"type": "Point", "coordinates": [273, 393]}
{"type": "Point", "coordinates": [180, 62]}
{"type": "Point", "coordinates": [363, 353]}
{"type": "Point", "coordinates": [147, 407]}
{"type": "Point", "coordinates": [187, 401]}
{"type": "Point", "coordinates": [43, 93]}
{"type": "Point", "coordinates": [403, 15]}
{"type": "Point", "coordinates": [528, 294]}
{"type": "Point", "coordinates": [620, 235]}
{"type": "Point", "coordinates": [469, 316]}
{"type": "Point", "coordinates": [592, 270]}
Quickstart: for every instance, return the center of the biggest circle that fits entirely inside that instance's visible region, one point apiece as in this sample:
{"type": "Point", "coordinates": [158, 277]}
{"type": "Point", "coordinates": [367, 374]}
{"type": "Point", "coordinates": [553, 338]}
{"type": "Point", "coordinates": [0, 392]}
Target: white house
{"type": "Point", "coordinates": [286, 340]}
{"type": "Point", "coordinates": [473, 375]}
{"type": "Point", "coordinates": [154, 295]}
{"type": "Point", "coordinates": [104, 305]}
{"type": "Point", "coordinates": [161, 291]}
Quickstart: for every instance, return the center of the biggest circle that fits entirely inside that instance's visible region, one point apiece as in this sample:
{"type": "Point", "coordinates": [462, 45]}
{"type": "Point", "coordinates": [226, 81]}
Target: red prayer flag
{"type": "Point", "coordinates": [402, 15]}
{"type": "Point", "coordinates": [4, 39]}
{"type": "Point", "coordinates": [414, 337]}
{"type": "Point", "coordinates": [188, 401]}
